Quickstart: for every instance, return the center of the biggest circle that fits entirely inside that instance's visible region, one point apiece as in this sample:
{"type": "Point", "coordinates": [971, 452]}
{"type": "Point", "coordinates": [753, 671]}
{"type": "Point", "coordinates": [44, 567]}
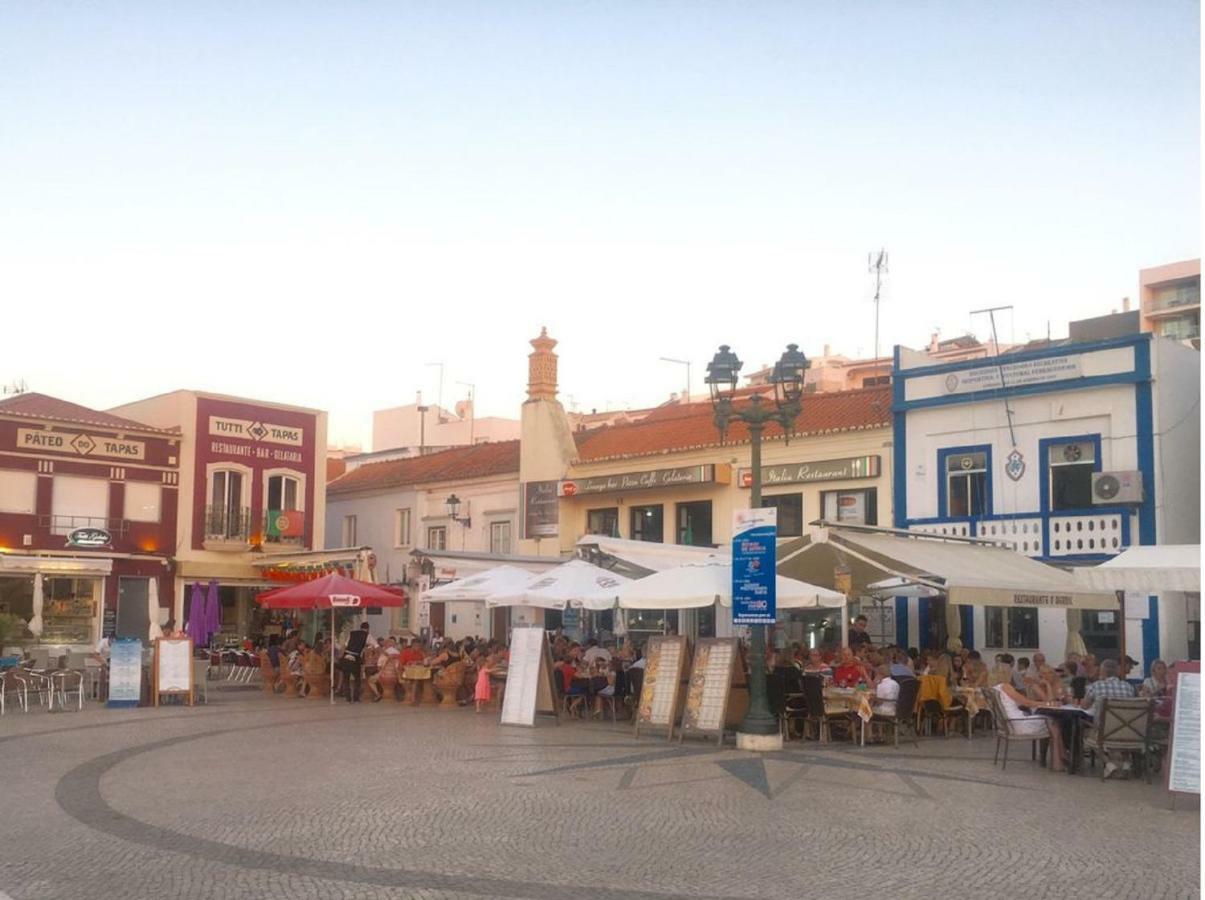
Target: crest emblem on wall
{"type": "Point", "coordinates": [1014, 466]}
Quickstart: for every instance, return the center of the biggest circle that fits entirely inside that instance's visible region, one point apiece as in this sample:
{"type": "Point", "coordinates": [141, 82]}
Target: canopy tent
{"type": "Point", "coordinates": [331, 592]}
{"type": "Point", "coordinates": [645, 556]}
{"type": "Point", "coordinates": [576, 583]}
{"type": "Point", "coordinates": [900, 587]}
{"type": "Point", "coordinates": [480, 585]}
{"type": "Point", "coordinates": [968, 572]}
{"type": "Point", "coordinates": [1147, 570]}
{"type": "Point", "coordinates": [709, 581]}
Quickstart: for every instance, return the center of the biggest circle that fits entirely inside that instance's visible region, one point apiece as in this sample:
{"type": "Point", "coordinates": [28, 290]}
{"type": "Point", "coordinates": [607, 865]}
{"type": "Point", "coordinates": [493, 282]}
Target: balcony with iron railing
{"type": "Point", "coordinates": [227, 527]}
{"type": "Point", "coordinates": [1095, 532]}
{"type": "Point", "coordinates": [283, 530]}
{"type": "Point", "coordinates": [65, 525]}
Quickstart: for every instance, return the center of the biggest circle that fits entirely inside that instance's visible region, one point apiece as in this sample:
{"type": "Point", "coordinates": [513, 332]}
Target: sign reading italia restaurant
{"type": "Point", "coordinates": [819, 470]}
{"type": "Point", "coordinates": [639, 481]}
{"type": "Point", "coordinates": [79, 444]}
{"type": "Point", "coordinates": [247, 430]}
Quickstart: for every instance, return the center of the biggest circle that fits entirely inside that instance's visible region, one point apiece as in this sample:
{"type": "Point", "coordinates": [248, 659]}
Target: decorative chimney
{"type": "Point", "coordinates": [541, 368]}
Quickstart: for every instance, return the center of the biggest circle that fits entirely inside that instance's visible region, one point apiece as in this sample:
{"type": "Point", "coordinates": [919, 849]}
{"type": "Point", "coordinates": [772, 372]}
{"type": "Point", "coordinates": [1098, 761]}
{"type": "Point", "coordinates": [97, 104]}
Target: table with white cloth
{"type": "Point", "coordinates": [851, 700]}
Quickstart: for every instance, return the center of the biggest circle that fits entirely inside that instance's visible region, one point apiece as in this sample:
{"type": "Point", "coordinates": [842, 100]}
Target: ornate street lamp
{"type": "Point", "coordinates": [788, 379]}
{"type": "Point", "coordinates": [453, 504]}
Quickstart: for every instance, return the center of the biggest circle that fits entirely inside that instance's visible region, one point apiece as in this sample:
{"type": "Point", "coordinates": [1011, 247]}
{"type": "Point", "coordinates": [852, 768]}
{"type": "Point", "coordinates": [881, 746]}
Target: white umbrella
{"type": "Point", "coordinates": [702, 584]}
{"type": "Point", "coordinates": [577, 582]}
{"type": "Point", "coordinates": [481, 585]}
{"type": "Point", "coordinates": [152, 608]}
{"type": "Point", "coordinates": [35, 624]}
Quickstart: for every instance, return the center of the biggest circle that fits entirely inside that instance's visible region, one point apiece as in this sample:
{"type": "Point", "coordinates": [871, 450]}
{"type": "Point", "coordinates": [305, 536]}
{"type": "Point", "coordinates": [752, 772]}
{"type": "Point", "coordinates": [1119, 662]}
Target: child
{"type": "Point", "coordinates": [482, 692]}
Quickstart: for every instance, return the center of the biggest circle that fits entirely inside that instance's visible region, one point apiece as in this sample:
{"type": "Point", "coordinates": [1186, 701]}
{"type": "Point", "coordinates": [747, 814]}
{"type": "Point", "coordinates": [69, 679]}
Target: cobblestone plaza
{"type": "Point", "coordinates": [254, 797]}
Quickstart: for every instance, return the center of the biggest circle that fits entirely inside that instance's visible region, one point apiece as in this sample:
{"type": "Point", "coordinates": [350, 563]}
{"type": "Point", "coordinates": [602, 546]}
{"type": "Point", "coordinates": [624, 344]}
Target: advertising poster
{"type": "Point", "coordinates": [754, 539]}
{"type": "Point", "coordinates": [125, 672]}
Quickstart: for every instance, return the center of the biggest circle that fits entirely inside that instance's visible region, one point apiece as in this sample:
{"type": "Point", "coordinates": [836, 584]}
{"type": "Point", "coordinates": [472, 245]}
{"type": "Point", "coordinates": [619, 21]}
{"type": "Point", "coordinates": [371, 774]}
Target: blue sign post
{"type": "Point", "coordinates": [125, 673]}
{"type": "Point", "coordinates": [754, 540]}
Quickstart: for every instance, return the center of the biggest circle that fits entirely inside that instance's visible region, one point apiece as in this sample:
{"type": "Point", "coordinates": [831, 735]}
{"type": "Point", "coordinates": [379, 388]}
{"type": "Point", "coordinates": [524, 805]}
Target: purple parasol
{"type": "Point", "coordinates": [213, 612]}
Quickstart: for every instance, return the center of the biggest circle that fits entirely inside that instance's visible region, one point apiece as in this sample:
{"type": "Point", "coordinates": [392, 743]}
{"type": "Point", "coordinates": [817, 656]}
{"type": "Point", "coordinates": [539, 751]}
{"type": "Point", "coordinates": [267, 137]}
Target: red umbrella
{"type": "Point", "coordinates": [332, 592]}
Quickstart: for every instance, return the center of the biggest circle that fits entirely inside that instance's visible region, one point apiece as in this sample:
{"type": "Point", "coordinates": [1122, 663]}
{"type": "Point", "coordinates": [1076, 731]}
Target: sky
{"type": "Point", "coordinates": [314, 203]}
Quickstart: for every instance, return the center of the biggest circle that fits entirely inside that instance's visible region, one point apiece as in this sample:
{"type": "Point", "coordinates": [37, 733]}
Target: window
{"type": "Point", "coordinates": [603, 521]}
{"type": "Point", "coordinates": [790, 513]}
{"type": "Point", "coordinates": [227, 517]}
{"type": "Point", "coordinates": [1071, 467]}
{"type": "Point", "coordinates": [402, 528]}
{"type": "Point", "coordinates": [18, 492]}
{"type": "Point", "coordinates": [283, 492]}
{"type": "Point", "coordinates": [143, 501]}
{"type": "Point", "coordinates": [1182, 293]}
{"type": "Point", "coordinates": [1012, 629]}
{"type": "Point", "coordinates": [1179, 328]}
{"type": "Point", "coordinates": [860, 507]}
{"type": "Point", "coordinates": [648, 524]}
{"type": "Point", "coordinates": [349, 531]}
{"type": "Point", "coordinates": [77, 502]}
{"type": "Point", "coordinates": [500, 537]}
{"type": "Point", "coordinates": [694, 523]}
{"type": "Point", "coordinates": [876, 380]}
{"type": "Point", "coordinates": [437, 537]}
{"type": "Point", "coordinates": [966, 484]}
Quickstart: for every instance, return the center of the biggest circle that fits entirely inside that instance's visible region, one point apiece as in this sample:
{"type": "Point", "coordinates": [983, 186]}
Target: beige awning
{"type": "Point", "coordinates": [1147, 570]}
{"type": "Point", "coordinates": [968, 572]}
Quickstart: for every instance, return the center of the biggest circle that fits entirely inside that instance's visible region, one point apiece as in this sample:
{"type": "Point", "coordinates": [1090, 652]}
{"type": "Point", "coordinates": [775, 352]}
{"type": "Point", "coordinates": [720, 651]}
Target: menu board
{"type": "Point", "coordinates": [173, 668]}
{"type": "Point", "coordinates": [125, 673]}
{"type": "Point", "coordinates": [710, 685]}
{"type": "Point", "coordinates": [528, 677]}
{"type": "Point", "coordinates": [664, 662]}
{"type": "Point", "coordinates": [1184, 771]}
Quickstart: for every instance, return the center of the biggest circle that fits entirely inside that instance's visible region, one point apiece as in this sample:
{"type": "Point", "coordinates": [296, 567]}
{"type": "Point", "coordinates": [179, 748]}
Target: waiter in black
{"type": "Point", "coordinates": [857, 634]}
{"type": "Point", "coordinates": [353, 656]}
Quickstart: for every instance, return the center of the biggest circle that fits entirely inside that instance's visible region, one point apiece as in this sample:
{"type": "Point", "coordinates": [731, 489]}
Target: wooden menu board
{"type": "Point", "coordinates": [665, 659]}
{"type": "Point", "coordinates": [709, 688]}
{"type": "Point", "coordinates": [172, 673]}
{"type": "Point", "coordinates": [1184, 754]}
{"type": "Point", "coordinates": [528, 678]}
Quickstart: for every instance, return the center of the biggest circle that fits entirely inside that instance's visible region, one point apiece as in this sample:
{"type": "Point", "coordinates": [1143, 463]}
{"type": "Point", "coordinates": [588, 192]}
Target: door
{"type": "Point", "coordinates": [437, 617]}
{"type": "Point", "coordinates": [500, 624]}
{"type": "Point", "coordinates": [133, 621]}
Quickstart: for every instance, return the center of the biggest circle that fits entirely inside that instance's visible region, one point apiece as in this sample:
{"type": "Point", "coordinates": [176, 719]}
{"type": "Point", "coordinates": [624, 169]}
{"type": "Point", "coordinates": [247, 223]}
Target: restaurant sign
{"type": "Point", "coordinates": [248, 430]}
{"type": "Point", "coordinates": [639, 481]}
{"type": "Point", "coordinates": [818, 470]}
{"type": "Point", "coordinates": [89, 537]}
{"type": "Point", "coordinates": [540, 509]}
{"type": "Point", "coordinates": [79, 444]}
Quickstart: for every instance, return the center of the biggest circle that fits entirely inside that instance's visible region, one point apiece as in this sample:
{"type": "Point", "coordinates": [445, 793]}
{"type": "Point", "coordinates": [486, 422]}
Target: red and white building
{"type": "Point", "coordinates": [88, 506]}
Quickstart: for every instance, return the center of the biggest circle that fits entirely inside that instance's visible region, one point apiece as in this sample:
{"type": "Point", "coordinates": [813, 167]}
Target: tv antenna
{"type": "Point", "coordinates": [1008, 410]}
{"type": "Point", "coordinates": [472, 407]}
{"type": "Point", "coordinates": [681, 362]}
{"type": "Point", "coordinates": [877, 264]}
{"type": "Point", "coordinates": [17, 387]}
{"type": "Point", "coordinates": [439, 401]}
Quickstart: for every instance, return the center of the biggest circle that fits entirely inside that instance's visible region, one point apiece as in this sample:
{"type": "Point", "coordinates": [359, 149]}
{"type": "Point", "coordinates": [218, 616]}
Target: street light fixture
{"type": "Point", "coordinates": [788, 380]}
{"type": "Point", "coordinates": [453, 504]}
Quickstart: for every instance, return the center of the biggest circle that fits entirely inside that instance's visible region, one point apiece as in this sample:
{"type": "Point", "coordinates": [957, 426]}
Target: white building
{"type": "Point", "coordinates": [1020, 447]}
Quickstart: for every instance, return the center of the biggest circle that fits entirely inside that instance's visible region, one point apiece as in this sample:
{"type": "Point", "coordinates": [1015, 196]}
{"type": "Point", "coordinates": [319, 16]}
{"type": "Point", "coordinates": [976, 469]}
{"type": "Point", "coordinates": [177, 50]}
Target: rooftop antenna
{"type": "Point", "coordinates": [877, 263]}
{"type": "Point", "coordinates": [472, 410]}
{"type": "Point", "coordinates": [1008, 411]}
{"type": "Point", "coordinates": [17, 387]}
{"type": "Point", "coordinates": [439, 398]}
{"type": "Point", "coordinates": [681, 362]}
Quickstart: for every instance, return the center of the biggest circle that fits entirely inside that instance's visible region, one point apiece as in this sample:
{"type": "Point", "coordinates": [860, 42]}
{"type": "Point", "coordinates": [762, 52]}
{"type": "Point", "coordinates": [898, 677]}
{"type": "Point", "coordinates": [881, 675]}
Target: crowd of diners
{"type": "Point", "coordinates": [1024, 685]}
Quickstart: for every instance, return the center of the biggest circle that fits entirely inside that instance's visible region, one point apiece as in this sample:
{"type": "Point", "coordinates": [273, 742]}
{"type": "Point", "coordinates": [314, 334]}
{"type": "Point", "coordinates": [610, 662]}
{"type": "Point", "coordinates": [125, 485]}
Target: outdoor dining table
{"type": "Point", "coordinates": [1076, 718]}
{"type": "Point", "coordinates": [854, 700]}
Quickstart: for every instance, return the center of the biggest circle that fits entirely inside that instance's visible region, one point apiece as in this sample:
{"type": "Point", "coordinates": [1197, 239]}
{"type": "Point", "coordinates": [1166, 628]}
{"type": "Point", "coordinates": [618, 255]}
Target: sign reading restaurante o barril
{"type": "Point", "coordinates": [638, 481]}
{"type": "Point", "coordinates": [816, 470]}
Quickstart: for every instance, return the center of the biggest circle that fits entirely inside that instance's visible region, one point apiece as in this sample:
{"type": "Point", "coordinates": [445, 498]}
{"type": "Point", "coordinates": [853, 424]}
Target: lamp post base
{"type": "Point", "coordinates": [761, 743]}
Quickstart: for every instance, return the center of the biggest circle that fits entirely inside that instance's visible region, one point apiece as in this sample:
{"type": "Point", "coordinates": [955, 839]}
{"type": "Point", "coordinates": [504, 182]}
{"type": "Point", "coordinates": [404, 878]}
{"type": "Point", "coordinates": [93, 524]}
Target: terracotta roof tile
{"type": "Point", "coordinates": [693, 425]}
{"type": "Point", "coordinates": [41, 406]}
{"type": "Point", "coordinates": [476, 461]}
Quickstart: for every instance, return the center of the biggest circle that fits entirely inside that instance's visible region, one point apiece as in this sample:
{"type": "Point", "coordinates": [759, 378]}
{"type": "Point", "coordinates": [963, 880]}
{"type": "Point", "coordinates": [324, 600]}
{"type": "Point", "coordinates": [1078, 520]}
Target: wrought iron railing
{"type": "Point", "coordinates": [227, 523]}
{"type": "Point", "coordinates": [67, 524]}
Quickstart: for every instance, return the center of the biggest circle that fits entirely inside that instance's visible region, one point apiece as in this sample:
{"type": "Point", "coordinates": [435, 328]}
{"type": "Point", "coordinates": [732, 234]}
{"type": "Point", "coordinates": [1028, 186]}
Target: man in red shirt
{"type": "Point", "coordinates": [849, 672]}
{"type": "Point", "coordinates": [412, 655]}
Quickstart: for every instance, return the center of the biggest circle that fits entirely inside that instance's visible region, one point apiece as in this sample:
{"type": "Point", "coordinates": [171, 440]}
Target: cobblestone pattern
{"type": "Point", "coordinates": [258, 797]}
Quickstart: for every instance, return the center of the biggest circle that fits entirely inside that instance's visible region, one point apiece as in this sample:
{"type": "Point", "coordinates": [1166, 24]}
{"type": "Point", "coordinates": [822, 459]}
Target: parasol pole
{"type": "Point", "coordinates": [332, 691]}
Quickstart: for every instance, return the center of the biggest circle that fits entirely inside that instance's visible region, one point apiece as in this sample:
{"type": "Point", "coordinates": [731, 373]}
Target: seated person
{"type": "Point", "coordinates": [1157, 685]}
{"type": "Point", "coordinates": [1023, 723]}
{"type": "Point", "coordinates": [1003, 671]}
{"type": "Point", "coordinates": [850, 671]}
{"type": "Point", "coordinates": [886, 693]}
{"type": "Point", "coordinates": [974, 671]}
{"type": "Point", "coordinates": [816, 665]}
{"type": "Point", "coordinates": [901, 665]}
{"type": "Point", "coordinates": [1108, 687]}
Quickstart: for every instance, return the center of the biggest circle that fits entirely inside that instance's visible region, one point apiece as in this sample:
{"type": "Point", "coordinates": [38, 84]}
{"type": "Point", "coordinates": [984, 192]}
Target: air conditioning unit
{"type": "Point", "coordinates": [1113, 488]}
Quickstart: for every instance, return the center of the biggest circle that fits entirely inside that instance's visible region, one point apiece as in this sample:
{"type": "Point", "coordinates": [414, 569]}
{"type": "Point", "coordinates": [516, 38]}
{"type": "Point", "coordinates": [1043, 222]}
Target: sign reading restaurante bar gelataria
{"type": "Point", "coordinates": [652, 478]}
{"type": "Point", "coordinates": [816, 470]}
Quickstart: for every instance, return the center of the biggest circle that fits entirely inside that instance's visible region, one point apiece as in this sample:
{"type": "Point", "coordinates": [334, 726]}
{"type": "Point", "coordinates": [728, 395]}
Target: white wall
{"type": "Point", "coordinates": [1177, 414]}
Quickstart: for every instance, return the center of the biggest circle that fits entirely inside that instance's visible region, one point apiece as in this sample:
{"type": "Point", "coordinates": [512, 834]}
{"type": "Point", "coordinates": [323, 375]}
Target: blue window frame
{"type": "Point", "coordinates": [964, 486]}
{"type": "Point", "coordinates": [1065, 462]}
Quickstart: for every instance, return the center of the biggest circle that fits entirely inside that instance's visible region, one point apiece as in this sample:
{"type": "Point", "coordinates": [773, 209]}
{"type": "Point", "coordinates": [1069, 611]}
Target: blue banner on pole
{"type": "Point", "coordinates": [125, 672]}
{"type": "Point", "coordinates": [754, 541]}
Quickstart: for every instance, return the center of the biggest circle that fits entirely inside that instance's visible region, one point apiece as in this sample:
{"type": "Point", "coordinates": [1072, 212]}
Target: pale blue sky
{"type": "Point", "coordinates": [307, 202]}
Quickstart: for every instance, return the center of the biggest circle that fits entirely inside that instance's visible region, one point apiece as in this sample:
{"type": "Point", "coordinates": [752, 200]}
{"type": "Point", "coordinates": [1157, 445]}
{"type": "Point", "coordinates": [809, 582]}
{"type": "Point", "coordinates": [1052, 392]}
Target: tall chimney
{"type": "Point", "coordinates": [1125, 304]}
{"type": "Point", "coordinates": [541, 368]}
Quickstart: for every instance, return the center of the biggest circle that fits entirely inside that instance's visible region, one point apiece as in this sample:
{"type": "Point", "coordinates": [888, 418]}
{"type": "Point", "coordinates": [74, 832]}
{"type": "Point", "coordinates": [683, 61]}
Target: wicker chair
{"type": "Point", "coordinates": [1006, 732]}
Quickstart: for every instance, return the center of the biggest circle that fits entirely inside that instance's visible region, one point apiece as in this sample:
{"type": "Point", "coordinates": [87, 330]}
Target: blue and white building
{"type": "Point", "coordinates": [1072, 452]}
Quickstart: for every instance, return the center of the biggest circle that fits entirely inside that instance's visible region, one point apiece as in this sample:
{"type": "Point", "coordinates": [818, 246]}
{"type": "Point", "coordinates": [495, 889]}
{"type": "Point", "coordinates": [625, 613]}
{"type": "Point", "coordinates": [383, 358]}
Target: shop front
{"type": "Point", "coordinates": [70, 592]}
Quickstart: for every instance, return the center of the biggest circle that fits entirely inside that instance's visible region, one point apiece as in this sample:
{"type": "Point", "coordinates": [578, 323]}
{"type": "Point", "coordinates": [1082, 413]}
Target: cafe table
{"type": "Point", "coordinates": [1076, 718]}
{"type": "Point", "coordinates": [854, 700]}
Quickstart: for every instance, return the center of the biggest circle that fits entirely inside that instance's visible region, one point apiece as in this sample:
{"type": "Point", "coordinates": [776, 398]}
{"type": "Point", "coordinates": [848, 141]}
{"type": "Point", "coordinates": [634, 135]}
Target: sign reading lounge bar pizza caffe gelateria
{"type": "Point", "coordinates": [651, 478]}
{"type": "Point", "coordinates": [817, 470]}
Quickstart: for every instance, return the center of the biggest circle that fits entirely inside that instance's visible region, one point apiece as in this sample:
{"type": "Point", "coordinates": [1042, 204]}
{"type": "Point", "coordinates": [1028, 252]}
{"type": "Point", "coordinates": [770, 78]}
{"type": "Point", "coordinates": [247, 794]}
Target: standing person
{"type": "Point", "coordinates": [481, 692]}
{"type": "Point", "coordinates": [353, 655]}
{"type": "Point", "coordinates": [857, 634]}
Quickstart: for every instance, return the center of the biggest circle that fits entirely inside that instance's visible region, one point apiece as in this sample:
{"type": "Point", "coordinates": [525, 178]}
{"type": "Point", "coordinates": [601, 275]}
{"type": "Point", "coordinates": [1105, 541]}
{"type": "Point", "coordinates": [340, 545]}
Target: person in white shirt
{"type": "Point", "coordinates": [593, 652]}
{"type": "Point", "coordinates": [886, 693]}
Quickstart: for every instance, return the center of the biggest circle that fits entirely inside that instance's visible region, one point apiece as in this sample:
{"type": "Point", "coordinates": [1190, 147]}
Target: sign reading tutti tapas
{"type": "Point", "coordinates": [637, 481]}
{"type": "Point", "coordinates": [818, 470]}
